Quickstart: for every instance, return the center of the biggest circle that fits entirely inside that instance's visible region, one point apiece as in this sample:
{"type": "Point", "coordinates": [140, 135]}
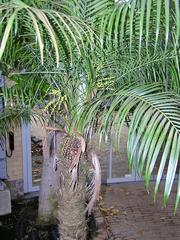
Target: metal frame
{"type": "Point", "coordinates": [3, 158]}
{"type": "Point", "coordinates": [111, 179]}
{"type": "Point", "coordinates": [27, 164]}
{"type": "Point", "coordinates": [127, 178]}
{"type": "Point", "coordinates": [27, 159]}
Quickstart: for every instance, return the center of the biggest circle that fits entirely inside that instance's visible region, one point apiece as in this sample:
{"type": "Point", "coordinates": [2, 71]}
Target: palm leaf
{"type": "Point", "coordinates": [12, 118]}
{"type": "Point", "coordinates": [44, 24]}
{"type": "Point", "coordinates": [154, 132]}
{"type": "Point", "coordinates": [138, 22]}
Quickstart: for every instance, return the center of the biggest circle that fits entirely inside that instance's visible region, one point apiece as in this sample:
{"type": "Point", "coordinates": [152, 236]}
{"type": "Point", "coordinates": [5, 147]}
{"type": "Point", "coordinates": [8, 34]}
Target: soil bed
{"type": "Point", "coordinates": [21, 224]}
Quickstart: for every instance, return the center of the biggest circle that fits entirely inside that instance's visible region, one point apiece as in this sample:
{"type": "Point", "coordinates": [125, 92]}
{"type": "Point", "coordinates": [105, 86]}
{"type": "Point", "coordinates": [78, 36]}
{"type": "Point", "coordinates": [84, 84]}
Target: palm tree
{"type": "Point", "coordinates": [38, 31]}
{"type": "Point", "coordinates": [135, 74]}
{"type": "Point", "coordinates": [33, 81]}
{"type": "Point", "coordinates": [63, 91]}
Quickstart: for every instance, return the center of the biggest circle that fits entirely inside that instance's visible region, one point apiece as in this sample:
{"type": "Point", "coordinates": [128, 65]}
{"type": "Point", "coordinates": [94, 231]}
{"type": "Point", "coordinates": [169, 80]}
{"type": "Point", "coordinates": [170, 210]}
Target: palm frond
{"type": "Point", "coordinates": [38, 25]}
{"type": "Point", "coordinates": [90, 10]}
{"type": "Point", "coordinates": [12, 117]}
{"type": "Point", "coordinates": [25, 93]}
{"type": "Point", "coordinates": [125, 69]}
{"type": "Point", "coordinates": [154, 132]}
{"type": "Point", "coordinates": [143, 23]}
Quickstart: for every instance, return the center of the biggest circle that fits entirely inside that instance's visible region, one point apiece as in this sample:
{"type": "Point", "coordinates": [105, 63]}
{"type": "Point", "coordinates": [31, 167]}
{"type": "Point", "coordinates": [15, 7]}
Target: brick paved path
{"type": "Point", "coordinates": [138, 218]}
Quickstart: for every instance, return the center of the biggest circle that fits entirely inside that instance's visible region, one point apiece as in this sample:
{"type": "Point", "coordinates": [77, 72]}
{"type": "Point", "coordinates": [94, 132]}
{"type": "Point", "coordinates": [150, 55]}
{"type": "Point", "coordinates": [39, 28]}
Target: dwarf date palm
{"type": "Point", "coordinates": [39, 34]}
{"type": "Point", "coordinates": [128, 66]}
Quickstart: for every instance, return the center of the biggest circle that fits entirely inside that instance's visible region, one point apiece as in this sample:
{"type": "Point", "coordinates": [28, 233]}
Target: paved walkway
{"type": "Point", "coordinates": [132, 215]}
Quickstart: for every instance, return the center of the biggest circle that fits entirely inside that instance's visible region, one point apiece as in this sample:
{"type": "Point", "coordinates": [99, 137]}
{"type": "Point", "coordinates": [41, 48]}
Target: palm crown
{"type": "Point", "coordinates": [117, 59]}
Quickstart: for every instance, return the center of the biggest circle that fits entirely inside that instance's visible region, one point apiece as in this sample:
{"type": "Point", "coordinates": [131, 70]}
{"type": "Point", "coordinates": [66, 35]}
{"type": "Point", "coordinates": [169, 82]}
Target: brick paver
{"type": "Point", "coordinates": [137, 217]}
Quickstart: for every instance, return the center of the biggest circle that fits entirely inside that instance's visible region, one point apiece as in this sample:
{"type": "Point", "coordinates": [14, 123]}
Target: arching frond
{"type": "Point", "coordinates": [12, 118]}
{"type": "Point", "coordinates": [143, 23]}
{"type": "Point", "coordinates": [125, 69]}
{"type": "Point", "coordinates": [154, 132]}
{"type": "Point", "coordinates": [29, 24]}
{"type": "Point", "coordinates": [25, 91]}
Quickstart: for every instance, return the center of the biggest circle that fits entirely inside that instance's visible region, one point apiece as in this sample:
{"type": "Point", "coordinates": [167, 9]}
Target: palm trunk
{"type": "Point", "coordinates": [71, 214]}
{"type": "Point", "coordinates": [48, 202]}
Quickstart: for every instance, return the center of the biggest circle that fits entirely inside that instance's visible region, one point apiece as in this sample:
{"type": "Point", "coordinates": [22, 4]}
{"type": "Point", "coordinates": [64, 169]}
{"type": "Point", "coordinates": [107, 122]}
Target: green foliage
{"type": "Point", "coordinates": [12, 118]}
{"type": "Point", "coordinates": [144, 24]}
{"type": "Point", "coordinates": [153, 132]}
{"type": "Point", "coordinates": [24, 23]}
{"type": "Point", "coordinates": [101, 61]}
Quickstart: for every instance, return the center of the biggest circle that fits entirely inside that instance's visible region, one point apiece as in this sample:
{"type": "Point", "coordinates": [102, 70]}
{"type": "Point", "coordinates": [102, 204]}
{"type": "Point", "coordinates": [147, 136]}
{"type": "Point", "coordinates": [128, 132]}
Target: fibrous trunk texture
{"type": "Point", "coordinates": [48, 201]}
{"type": "Point", "coordinates": [71, 214]}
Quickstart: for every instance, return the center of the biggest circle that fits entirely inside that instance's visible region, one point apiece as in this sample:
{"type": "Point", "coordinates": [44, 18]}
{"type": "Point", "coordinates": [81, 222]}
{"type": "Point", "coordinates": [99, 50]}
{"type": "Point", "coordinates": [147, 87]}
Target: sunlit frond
{"type": "Point", "coordinates": [154, 132]}
{"type": "Point", "coordinates": [40, 24]}
{"type": "Point", "coordinates": [143, 23]}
